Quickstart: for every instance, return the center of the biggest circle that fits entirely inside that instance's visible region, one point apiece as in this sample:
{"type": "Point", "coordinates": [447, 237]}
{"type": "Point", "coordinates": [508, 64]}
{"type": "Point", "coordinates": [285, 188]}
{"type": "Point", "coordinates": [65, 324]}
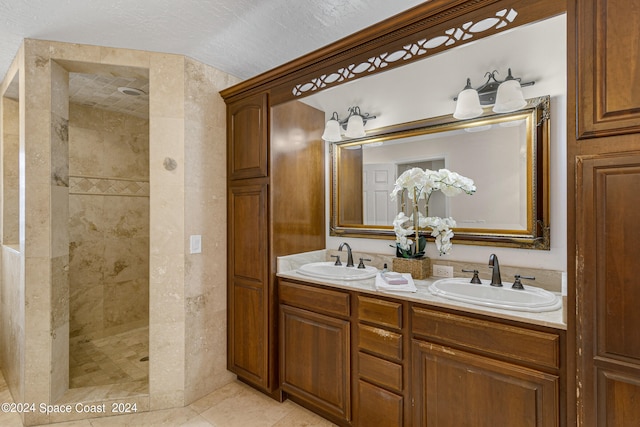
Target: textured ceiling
{"type": "Point", "coordinates": [241, 37]}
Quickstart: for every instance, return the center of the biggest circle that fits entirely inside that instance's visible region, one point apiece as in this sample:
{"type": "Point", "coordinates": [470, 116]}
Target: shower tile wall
{"type": "Point", "coordinates": [11, 296]}
{"type": "Point", "coordinates": [108, 222]}
{"type": "Point", "coordinates": [10, 149]}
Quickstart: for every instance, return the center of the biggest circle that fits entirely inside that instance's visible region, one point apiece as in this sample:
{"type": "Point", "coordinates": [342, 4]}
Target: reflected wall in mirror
{"type": "Point", "coordinates": [505, 154]}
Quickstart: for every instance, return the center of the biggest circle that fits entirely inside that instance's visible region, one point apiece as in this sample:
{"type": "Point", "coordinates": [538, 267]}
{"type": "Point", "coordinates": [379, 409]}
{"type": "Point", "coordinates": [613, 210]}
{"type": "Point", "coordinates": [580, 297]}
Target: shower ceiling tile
{"type": "Point", "coordinates": [99, 91]}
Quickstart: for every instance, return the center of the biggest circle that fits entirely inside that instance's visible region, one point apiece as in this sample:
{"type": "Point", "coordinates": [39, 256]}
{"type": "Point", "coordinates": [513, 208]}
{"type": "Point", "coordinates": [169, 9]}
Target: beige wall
{"type": "Point", "coordinates": [187, 291]}
{"type": "Point", "coordinates": [205, 203]}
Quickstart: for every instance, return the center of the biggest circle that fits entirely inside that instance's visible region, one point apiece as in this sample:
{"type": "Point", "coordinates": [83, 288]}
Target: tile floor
{"type": "Point", "coordinates": [234, 405]}
{"type": "Point", "coordinates": [117, 359]}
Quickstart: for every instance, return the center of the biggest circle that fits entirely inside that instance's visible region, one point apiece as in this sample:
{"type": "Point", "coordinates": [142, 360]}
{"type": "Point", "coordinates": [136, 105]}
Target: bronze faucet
{"type": "Point", "coordinates": [496, 280]}
{"type": "Point", "coordinates": [349, 254]}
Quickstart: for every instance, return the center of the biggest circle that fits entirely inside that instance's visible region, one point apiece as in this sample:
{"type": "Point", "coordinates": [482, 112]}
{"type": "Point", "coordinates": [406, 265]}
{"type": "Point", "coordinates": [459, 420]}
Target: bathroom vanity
{"type": "Point", "coordinates": [602, 352]}
{"type": "Point", "coordinates": [363, 357]}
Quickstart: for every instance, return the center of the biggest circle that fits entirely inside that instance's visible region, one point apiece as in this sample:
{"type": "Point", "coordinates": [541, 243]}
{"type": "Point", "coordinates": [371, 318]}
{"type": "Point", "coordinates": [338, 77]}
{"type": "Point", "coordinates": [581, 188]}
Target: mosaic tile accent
{"type": "Point", "coordinates": [108, 186]}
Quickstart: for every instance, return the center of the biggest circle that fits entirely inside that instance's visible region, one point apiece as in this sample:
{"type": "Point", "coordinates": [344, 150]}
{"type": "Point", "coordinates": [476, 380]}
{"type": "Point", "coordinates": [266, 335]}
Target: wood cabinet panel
{"type": "Point", "coordinates": [316, 299]}
{"type": "Point", "coordinates": [247, 336]}
{"type": "Point", "coordinates": [379, 407]}
{"type": "Point", "coordinates": [516, 343]}
{"type": "Point", "coordinates": [381, 312]}
{"type": "Point", "coordinates": [380, 341]}
{"type": "Point", "coordinates": [380, 371]}
{"type": "Point", "coordinates": [618, 397]}
{"type": "Point", "coordinates": [297, 162]}
{"type": "Point", "coordinates": [456, 388]}
{"type": "Point", "coordinates": [247, 133]}
{"type": "Point", "coordinates": [608, 298]}
{"type": "Point", "coordinates": [248, 290]}
{"type": "Point", "coordinates": [617, 230]}
{"type": "Point", "coordinates": [248, 233]}
{"type": "Point", "coordinates": [315, 360]}
{"type": "Point", "coordinates": [608, 63]}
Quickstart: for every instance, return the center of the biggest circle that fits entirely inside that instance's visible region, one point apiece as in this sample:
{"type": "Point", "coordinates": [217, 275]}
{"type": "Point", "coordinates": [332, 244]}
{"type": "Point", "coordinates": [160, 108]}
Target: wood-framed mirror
{"type": "Point", "coordinates": [507, 155]}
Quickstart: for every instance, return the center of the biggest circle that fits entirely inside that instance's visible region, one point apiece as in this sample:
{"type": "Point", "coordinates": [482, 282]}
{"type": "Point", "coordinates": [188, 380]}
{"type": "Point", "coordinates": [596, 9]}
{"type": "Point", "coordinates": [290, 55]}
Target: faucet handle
{"type": "Point", "coordinates": [361, 265]}
{"type": "Point", "coordinates": [337, 257]}
{"type": "Point", "coordinates": [517, 284]}
{"type": "Point", "coordinates": [475, 279]}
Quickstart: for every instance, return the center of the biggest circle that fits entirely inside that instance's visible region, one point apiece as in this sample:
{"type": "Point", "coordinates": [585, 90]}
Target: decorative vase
{"type": "Point", "coordinates": [420, 268]}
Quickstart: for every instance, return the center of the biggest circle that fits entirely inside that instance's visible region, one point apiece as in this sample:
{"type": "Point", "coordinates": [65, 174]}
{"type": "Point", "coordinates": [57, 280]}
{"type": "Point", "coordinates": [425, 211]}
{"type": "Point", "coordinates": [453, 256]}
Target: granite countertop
{"type": "Point", "coordinates": [553, 319]}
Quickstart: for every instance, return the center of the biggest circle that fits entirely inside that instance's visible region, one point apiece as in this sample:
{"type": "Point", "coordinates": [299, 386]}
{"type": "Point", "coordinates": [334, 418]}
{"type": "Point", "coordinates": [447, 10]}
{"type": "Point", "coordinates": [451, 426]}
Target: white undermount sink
{"type": "Point", "coordinates": [328, 270]}
{"type": "Point", "coordinates": [530, 299]}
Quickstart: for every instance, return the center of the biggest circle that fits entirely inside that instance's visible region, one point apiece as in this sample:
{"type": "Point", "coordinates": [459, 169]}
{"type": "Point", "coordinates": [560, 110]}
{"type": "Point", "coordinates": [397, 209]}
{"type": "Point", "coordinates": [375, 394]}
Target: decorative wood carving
{"type": "Point", "coordinates": [427, 29]}
{"type": "Point", "coordinates": [419, 48]}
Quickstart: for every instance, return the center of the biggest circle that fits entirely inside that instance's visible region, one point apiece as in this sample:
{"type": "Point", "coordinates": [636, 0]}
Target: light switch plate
{"type": "Point", "coordinates": [195, 244]}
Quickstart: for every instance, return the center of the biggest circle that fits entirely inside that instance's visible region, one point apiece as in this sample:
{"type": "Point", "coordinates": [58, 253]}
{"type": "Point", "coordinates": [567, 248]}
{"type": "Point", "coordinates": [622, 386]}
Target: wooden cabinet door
{"type": "Point", "coordinates": [378, 407]}
{"type": "Point", "coordinates": [247, 133]}
{"type": "Point", "coordinates": [608, 61]}
{"type": "Point", "coordinates": [609, 295]}
{"type": "Point", "coordinates": [315, 360]}
{"type": "Point", "coordinates": [456, 388]}
{"type": "Point", "coordinates": [248, 291]}
{"type": "Point", "coordinates": [608, 67]}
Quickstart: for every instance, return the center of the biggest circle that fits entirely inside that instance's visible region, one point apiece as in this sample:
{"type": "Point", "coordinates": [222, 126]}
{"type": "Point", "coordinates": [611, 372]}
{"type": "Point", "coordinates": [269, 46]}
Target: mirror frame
{"type": "Point", "coordinates": [537, 233]}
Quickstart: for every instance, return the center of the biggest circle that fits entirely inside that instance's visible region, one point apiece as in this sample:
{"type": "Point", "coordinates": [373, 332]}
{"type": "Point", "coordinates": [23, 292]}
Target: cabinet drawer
{"type": "Point", "coordinates": [380, 371]}
{"type": "Point", "coordinates": [314, 299]}
{"type": "Point", "coordinates": [380, 341]}
{"type": "Point", "coordinates": [385, 313]}
{"type": "Point", "coordinates": [514, 342]}
{"type": "Point", "coordinates": [378, 407]}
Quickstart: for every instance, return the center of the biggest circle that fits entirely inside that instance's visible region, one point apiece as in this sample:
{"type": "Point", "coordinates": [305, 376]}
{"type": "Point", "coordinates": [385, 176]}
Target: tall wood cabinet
{"type": "Point", "coordinates": [604, 168]}
{"type": "Point", "coordinates": [275, 207]}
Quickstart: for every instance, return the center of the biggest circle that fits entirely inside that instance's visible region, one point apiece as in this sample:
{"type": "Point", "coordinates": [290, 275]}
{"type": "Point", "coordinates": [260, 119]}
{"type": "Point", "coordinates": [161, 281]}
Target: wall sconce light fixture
{"type": "Point", "coordinates": [506, 96]}
{"type": "Point", "coordinates": [353, 125]}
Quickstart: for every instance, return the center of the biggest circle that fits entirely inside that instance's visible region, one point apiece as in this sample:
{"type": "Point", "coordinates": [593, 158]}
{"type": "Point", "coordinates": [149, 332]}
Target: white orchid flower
{"type": "Point", "coordinates": [419, 185]}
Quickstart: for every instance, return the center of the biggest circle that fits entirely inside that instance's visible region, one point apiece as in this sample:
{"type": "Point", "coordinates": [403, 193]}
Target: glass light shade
{"type": "Point", "coordinates": [468, 105]}
{"type": "Point", "coordinates": [355, 127]}
{"type": "Point", "coordinates": [509, 97]}
{"type": "Point", "coordinates": [332, 131]}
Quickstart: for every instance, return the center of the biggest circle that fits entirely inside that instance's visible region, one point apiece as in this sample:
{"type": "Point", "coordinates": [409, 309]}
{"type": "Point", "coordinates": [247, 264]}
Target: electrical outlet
{"type": "Point", "coordinates": [442, 270]}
